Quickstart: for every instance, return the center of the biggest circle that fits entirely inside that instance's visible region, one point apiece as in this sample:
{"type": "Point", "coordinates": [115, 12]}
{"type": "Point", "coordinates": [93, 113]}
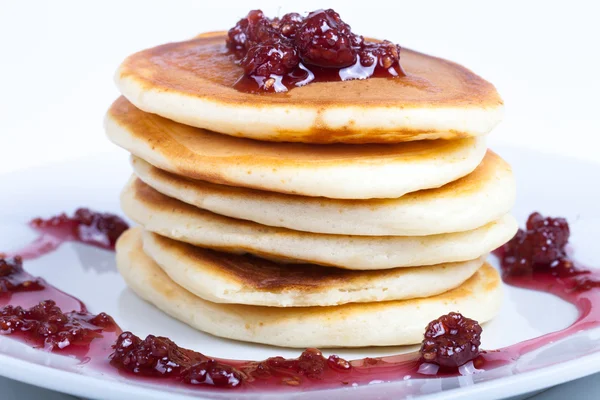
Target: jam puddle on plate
{"type": "Point", "coordinates": [35, 312]}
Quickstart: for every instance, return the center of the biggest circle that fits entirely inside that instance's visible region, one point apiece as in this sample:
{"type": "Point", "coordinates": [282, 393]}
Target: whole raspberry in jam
{"type": "Point", "coordinates": [161, 357]}
{"type": "Point", "coordinates": [13, 277]}
{"type": "Point", "coordinates": [451, 341]}
{"type": "Point", "coordinates": [153, 356]}
{"type": "Point", "coordinates": [270, 58]}
{"type": "Point", "coordinates": [384, 54]}
{"type": "Point", "coordinates": [324, 40]}
{"type": "Point", "coordinates": [540, 247]}
{"type": "Point", "coordinates": [237, 38]}
{"type": "Point", "coordinates": [288, 24]}
{"type": "Point", "coordinates": [255, 28]}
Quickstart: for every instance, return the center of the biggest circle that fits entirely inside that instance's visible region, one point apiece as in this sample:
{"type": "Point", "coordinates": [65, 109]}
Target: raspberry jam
{"type": "Point", "coordinates": [85, 226]}
{"type": "Point", "coordinates": [13, 277]}
{"type": "Point", "coordinates": [159, 357]}
{"type": "Point", "coordinates": [536, 258]}
{"type": "Point", "coordinates": [46, 326]}
{"type": "Point", "coordinates": [281, 53]}
{"type": "Point", "coordinates": [451, 341]}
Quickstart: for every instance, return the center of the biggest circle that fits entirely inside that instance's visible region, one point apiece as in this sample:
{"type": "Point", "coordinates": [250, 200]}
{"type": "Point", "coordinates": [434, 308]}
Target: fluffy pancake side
{"type": "Point", "coordinates": [244, 279]}
{"type": "Point", "coordinates": [180, 221]}
{"type": "Point", "coordinates": [192, 82]}
{"type": "Point", "coordinates": [335, 171]}
{"type": "Point", "coordinates": [351, 325]}
{"type": "Point", "coordinates": [485, 195]}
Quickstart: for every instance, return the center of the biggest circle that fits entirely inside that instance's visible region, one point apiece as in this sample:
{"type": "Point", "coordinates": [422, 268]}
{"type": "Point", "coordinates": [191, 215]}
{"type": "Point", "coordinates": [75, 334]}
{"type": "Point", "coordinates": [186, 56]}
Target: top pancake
{"type": "Point", "coordinates": [192, 82]}
{"type": "Point", "coordinates": [336, 171]}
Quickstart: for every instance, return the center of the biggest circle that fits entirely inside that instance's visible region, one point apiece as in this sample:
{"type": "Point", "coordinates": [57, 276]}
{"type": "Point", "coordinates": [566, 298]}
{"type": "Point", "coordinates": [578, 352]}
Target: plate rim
{"type": "Point", "coordinates": [78, 384]}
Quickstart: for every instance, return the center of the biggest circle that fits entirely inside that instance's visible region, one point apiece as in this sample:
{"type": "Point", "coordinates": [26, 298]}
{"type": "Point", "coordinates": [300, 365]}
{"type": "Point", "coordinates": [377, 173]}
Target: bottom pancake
{"type": "Point", "coordinates": [399, 322]}
{"type": "Point", "coordinates": [245, 279]}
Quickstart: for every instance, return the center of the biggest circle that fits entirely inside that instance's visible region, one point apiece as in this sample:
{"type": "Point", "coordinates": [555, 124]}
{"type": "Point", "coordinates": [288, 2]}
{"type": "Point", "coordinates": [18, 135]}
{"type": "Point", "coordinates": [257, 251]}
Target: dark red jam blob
{"type": "Point", "coordinates": [158, 356]}
{"type": "Point", "coordinates": [45, 325]}
{"type": "Point", "coordinates": [87, 226]}
{"type": "Point", "coordinates": [540, 247]}
{"type": "Point", "coordinates": [278, 54]}
{"type": "Point", "coordinates": [288, 24]}
{"type": "Point", "coordinates": [153, 356]}
{"type": "Point", "coordinates": [14, 279]}
{"type": "Point", "coordinates": [270, 58]}
{"type": "Point", "coordinates": [324, 40]}
{"type": "Point", "coordinates": [451, 341]}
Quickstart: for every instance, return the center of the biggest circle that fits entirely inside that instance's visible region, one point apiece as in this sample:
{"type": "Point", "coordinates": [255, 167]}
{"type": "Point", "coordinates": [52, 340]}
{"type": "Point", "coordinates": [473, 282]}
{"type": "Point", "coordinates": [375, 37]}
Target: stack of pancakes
{"type": "Point", "coordinates": [335, 214]}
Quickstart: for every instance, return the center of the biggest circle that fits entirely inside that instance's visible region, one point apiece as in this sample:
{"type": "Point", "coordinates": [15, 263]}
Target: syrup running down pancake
{"type": "Point", "coordinates": [192, 82]}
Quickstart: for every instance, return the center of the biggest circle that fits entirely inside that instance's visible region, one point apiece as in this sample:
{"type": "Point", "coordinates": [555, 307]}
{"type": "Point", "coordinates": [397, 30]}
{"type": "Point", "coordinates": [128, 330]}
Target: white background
{"type": "Point", "coordinates": [57, 59]}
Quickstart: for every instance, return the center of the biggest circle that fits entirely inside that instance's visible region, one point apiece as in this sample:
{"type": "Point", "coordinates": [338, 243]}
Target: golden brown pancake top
{"type": "Point", "coordinates": [202, 67]}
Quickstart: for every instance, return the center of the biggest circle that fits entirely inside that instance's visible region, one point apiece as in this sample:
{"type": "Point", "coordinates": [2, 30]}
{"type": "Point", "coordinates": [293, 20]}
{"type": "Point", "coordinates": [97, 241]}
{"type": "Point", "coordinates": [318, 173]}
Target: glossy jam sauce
{"type": "Point", "coordinates": [282, 53]}
{"type": "Point", "coordinates": [85, 226]}
{"type": "Point", "coordinates": [535, 259]}
{"type": "Point", "coordinates": [47, 327]}
{"type": "Point", "coordinates": [33, 312]}
{"type": "Point", "coordinates": [44, 316]}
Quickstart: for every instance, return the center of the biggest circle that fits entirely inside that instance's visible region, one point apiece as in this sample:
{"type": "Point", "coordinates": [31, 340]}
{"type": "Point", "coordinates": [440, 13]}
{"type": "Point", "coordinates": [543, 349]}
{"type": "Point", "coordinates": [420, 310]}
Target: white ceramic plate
{"type": "Point", "coordinates": [551, 185]}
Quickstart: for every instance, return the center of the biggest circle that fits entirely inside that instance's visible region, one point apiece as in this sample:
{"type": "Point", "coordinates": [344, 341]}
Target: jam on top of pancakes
{"type": "Point", "coordinates": [281, 53]}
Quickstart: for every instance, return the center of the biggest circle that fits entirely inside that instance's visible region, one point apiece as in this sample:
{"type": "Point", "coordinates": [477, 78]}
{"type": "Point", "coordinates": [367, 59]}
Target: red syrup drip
{"type": "Point", "coordinates": [159, 359]}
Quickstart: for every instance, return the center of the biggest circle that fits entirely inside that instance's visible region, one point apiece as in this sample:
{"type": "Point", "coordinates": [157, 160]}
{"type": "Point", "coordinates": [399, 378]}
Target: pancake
{"type": "Point", "coordinates": [386, 323]}
{"type": "Point", "coordinates": [180, 221]}
{"type": "Point", "coordinates": [243, 279]}
{"type": "Point", "coordinates": [335, 171]}
{"type": "Point", "coordinates": [192, 82]}
{"type": "Point", "coordinates": [481, 197]}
